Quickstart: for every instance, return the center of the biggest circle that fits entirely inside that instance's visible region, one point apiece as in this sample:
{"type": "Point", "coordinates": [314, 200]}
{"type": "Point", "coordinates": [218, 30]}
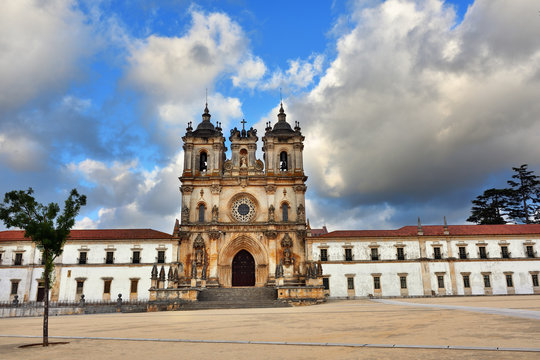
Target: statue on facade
{"type": "Point", "coordinates": [203, 271]}
{"type": "Point", "coordinates": [185, 215]}
{"type": "Point", "coordinates": [193, 269]}
{"type": "Point", "coordinates": [271, 213]}
{"type": "Point", "coordinates": [279, 270]}
{"type": "Point", "coordinates": [300, 212]}
{"type": "Point", "coordinates": [215, 213]}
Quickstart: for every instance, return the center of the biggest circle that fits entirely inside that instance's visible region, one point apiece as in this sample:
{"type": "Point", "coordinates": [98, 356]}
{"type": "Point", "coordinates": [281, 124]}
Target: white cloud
{"type": "Point", "coordinates": [414, 107]}
{"type": "Point", "coordinates": [42, 42]}
{"type": "Point", "coordinates": [172, 68]}
{"type": "Point", "coordinates": [126, 195]}
{"type": "Point", "coordinates": [300, 74]}
{"type": "Point", "coordinates": [249, 73]}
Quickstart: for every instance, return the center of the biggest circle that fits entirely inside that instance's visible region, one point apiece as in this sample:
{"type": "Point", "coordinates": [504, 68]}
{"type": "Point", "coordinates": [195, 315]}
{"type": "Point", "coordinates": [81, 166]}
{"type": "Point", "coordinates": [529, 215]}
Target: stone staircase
{"type": "Point", "coordinates": [236, 298]}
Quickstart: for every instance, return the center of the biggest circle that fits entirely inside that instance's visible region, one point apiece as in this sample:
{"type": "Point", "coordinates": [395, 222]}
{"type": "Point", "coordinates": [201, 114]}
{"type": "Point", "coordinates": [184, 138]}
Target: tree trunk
{"type": "Point", "coordinates": [46, 305]}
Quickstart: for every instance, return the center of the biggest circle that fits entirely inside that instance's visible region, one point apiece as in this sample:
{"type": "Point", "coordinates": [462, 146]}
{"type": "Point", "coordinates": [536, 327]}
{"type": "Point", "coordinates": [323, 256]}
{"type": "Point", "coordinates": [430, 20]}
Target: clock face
{"type": "Point", "coordinates": [243, 209]}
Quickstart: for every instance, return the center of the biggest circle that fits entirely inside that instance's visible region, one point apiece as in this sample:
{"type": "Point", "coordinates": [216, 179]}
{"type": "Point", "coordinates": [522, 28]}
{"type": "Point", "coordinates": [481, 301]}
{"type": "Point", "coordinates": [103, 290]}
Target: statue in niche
{"type": "Point", "coordinates": [271, 213]}
{"type": "Point", "coordinates": [243, 162]}
{"type": "Point", "coordinates": [199, 247]}
{"type": "Point", "coordinates": [185, 214]}
{"type": "Point", "coordinates": [215, 213]}
{"type": "Point", "coordinates": [193, 269]}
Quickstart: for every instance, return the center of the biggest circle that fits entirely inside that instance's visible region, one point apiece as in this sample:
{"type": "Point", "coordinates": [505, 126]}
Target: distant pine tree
{"type": "Point", "coordinates": [489, 208]}
{"type": "Point", "coordinates": [524, 200]}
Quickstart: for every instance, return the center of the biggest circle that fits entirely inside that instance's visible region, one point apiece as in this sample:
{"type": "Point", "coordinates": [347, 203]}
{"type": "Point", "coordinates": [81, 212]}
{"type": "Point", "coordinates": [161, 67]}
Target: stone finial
{"type": "Point", "coordinates": [154, 273]}
{"type": "Point", "coordinates": [446, 230]}
{"type": "Point", "coordinates": [162, 273]}
{"type": "Point", "coordinates": [420, 230]}
{"type": "Point", "coordinates": [170, 274]}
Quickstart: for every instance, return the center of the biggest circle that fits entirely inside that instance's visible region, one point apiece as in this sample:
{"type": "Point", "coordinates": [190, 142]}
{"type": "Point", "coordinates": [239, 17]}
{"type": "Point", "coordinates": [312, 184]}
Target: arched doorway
{"type": "Point", "coordinates": [243, 269]}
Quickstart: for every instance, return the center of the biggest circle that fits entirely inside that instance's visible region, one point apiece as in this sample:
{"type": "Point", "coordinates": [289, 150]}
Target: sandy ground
{"type": "Point", "coordinates": [352, 321]}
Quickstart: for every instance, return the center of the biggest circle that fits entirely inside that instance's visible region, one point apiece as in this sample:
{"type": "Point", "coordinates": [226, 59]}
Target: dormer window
{"type": "Point", "coordinates": [203, 162]}
{"type": "Point", "coordinates": [283, 166]}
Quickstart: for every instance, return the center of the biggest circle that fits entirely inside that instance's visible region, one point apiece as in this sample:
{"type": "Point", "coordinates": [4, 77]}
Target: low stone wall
{"type": "Point", "coordinates": [28, 310]}
{"type": "Point", "coordinates": [302, 295]}
{"type": "Point", "coordinates": [171, 299]}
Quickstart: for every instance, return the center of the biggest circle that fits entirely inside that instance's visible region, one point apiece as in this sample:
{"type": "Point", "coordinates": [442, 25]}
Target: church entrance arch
{"type": "Point", "coordinates": [243, 269]}
{"type": "Point", "coordinates": [234, 256]}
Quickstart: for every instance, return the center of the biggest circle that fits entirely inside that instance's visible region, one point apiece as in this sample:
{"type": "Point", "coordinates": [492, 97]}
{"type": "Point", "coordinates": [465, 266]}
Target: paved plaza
{"type": "Point", "coordinates": [335, 330]}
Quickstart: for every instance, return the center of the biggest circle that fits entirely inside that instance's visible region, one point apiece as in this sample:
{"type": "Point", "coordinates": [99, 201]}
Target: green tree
{"type": "Point", "coordinates": [47, 229]}
{"type": "Point", "coordinates": [489, 208]}
{"type": "Point", "coordinates": [524, 201]}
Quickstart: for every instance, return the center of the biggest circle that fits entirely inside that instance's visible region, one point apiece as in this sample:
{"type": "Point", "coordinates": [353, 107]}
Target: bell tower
{"type": "Point", "coordinates": [283, 148]}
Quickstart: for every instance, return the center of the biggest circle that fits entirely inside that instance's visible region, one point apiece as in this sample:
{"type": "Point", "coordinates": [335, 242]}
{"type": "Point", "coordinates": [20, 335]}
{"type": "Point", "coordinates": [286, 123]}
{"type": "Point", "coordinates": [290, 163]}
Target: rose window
{"type": "Point", "coordinates": [243, 209]}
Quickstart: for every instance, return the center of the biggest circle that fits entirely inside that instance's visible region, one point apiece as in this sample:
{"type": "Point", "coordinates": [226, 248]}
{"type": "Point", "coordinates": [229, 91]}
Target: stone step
{"type": "Point", "coordinates": [207, 305]}
{"type": "Point", "coordinates": [239, 294]}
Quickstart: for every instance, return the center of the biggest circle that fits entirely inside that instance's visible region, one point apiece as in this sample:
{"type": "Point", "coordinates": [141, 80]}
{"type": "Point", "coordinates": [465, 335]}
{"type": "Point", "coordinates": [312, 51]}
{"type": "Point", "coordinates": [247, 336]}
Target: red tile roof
{"type": "Point", "coordinates": [97, 234]}
{"type": "Point", "coordinates": [438, 230]}
{"type": "Point", "coordinates": [319, 232]}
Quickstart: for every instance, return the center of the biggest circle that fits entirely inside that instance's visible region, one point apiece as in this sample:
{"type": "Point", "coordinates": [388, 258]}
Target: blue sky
{"type": "Point", "coordinates": [409, 108]}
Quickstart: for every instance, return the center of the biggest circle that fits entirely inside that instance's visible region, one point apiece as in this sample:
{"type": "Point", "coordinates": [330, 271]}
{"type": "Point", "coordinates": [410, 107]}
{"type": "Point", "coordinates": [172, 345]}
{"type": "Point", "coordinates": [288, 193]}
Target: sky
{"type": "Point", "coordinates": [409, 108]}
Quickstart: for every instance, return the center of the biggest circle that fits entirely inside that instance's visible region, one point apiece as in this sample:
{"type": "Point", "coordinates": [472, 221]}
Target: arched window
{"type": "Point", "coordinates": [203, 162]}
{"type": "Point", "coordinates": [202, 210]}
{"type": "Point", "coordinates": [285, 211]}
{"type": "Point", "coordinates": [283, 161]}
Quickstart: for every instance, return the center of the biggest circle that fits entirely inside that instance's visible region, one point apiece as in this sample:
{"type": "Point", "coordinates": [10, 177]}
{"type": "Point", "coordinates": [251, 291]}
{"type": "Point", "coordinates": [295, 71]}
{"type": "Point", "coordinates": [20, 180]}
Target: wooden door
{"type": "Point", "coordinates": [243, 269]}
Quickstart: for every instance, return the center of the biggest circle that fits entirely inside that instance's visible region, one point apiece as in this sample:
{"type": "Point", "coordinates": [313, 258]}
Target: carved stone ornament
{"type": "Point", "coordinates": [185, 215]}
{"type": "Point", "coordinates": [215, 189]}
{"type": "Point", "coordinates": [270, 189]}
{"type": "Point", "coordinates": [301, 234]}
{"type": "Point", "coordinates": [228, 165]}
{"type": "Point", "coordinates": [199, 242]}
{"type": "Point", "coordinates": [300, 188]}
{"type": "Point", "coordinates": [270, 234]}
{"type": "Point", "coordinates": [259, 165]}
{"type": "Point", "coordinates": [286, 244]}
{"type": "Point", "coordinates": [186, 189]}
{"type": "Point", "coordinates": [183, 235]}
{"type": "Point", "coordinates": [213, 234]}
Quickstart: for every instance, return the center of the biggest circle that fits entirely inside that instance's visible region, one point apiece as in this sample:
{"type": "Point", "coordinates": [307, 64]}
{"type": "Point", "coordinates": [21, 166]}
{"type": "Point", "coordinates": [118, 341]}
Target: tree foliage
{"type": "Point", "coordinates": [47, 228]}
{"type": "Point", "coordinates": [489, 208]}
{"type": "Point", "coordinates": [524, 201]}
{"type": "Point", "coordinates": [519, 203]}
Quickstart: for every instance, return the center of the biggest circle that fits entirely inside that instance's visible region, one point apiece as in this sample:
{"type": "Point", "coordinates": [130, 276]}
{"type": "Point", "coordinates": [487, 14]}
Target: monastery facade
{"type": "Point", "coordinates": [243, 224]}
